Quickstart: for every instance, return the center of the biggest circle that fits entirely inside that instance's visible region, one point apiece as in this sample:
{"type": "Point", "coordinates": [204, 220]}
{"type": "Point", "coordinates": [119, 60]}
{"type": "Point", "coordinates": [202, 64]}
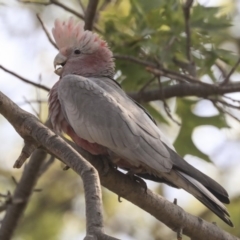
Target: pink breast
{"type": "Point", "coordinates": [93, 148]}
{"type": "Point", "coordinates": [60, 124]}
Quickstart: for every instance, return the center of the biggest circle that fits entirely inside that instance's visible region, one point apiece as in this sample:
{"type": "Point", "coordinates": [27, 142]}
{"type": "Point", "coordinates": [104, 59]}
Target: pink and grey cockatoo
{"type": "Point", "coordinates": [88, 105]}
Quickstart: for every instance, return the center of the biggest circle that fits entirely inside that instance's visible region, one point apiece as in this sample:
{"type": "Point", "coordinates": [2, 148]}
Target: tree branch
{"type": "Point", "coordinates": [46, 32]}
{"type": "Point", "coordinates": [77, 14]}
{"type": "Point", "coordinates": [135, 60]}
{"type": "Point", "coordinates": [184, 90]}
{"type": "Point", "coordinates": [31, 129]}
{"type": "Point", "coordinates": [186, 12]}
{"type": "Point", "coordinates": [155, 69]}
{"type": "Point", "coordinates": [178, 90]}
{"type": "Point", "coordinates": [23, 191]}
{"type": "Point", "coordinates": [24, 79]}
{"type": "Point", "coordinates": [59, 4]}
{"type": "Point", "coordinates": [171, 215]}
{"type": "Point", "coordinates": [90, 14]}
{"type": "Point", "coordinates": [226, 80]}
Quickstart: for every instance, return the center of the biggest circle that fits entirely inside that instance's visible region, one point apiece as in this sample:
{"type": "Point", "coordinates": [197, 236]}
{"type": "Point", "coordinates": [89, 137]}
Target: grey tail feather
{"type": "Point", "coordinates": [208, 199]}
{"type": "Point", "coordinates": [181, 165]}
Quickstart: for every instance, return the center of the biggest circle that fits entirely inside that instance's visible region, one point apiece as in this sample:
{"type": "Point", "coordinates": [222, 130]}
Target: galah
{"type": "Point", "coordinates": [90, 106]}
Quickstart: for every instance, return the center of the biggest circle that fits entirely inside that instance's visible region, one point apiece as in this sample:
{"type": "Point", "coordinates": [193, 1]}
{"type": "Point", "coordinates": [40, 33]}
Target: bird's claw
{"type": "Point", "coordinates": [107, 164]}
{"type": "Point", "coordinates": [138, 180]}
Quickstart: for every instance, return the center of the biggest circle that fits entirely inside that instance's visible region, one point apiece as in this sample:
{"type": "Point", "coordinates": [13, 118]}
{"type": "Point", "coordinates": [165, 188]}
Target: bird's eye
{"type": "Point", "coordinates": [77, 51]}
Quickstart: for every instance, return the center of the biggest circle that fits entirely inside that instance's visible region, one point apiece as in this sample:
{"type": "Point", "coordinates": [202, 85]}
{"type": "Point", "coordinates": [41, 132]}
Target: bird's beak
{"type": "Point", "coordinates": [59, 62]}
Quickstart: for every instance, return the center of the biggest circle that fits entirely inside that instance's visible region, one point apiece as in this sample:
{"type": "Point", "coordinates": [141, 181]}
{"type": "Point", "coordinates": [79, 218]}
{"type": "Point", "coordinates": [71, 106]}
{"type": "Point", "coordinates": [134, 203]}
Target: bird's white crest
{"type": "Point", "coordinates": [70, 34]}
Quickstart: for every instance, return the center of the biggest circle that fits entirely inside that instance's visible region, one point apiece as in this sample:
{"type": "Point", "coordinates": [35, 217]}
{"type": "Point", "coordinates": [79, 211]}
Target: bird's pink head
{"type": "Point", "coordinates": [81, 52]}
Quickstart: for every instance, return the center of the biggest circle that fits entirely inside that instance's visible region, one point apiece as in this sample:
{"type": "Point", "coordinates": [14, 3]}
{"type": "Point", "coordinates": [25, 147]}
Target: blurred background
{"type": "Point", "coordinates": [208, 138]}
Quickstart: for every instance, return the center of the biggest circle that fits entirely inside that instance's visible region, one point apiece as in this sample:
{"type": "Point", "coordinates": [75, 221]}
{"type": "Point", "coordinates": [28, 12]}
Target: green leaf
{"type": "Point", "coordinates": [184, 144]}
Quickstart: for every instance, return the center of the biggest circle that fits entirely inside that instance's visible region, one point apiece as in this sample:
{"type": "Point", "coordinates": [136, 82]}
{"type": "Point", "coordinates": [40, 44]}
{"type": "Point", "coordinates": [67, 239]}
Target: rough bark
{"type": "Point", "coordinates": [36, 134]}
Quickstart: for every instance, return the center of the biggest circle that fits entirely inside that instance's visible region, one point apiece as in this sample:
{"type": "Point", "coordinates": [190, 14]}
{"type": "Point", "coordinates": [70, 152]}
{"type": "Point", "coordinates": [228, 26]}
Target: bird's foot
{"type": "Point", "coordinates": [138, 180]}
{"type": "Point", "coordinates": [107, 164]}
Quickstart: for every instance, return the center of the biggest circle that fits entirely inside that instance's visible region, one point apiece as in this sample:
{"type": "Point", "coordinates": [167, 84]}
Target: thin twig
{"type": "Point", "coordinates": [135, 60]}
{"type": "Point", "coordinates": [223, 102]}
{"type": "Point", "coordinates": [37, 2]}
{"type": "Point", "coordinates": [59, 4]}
{"type": "Point", "coordinates": [66, 8]}
{"type": "Point", "coordinates": [167, 47]}
{"type": "Point", "coordinates": [226, 80]}
{"type": "Point", "coordinates": [177, 76]}
{"type": "Point", "coordinates": [77, 14]}
{"type": "Point", "coordinates": [24, 79]}
{"type": "Point", "coordinates": [166, 107]}
{"type": "Point", "coordinates": [152, 67]}
{"type": "Point", "coordinates": [186, 10]}
{"type": "Point", "coordinates": [82, 6]}
{"type": "Point", "coordinates": [14, 180]}
{"type": "Point", "coordinates": [39, 101]}
{"type": "Point", "coordinates": [144, 87]}
{"type": "Point", "coordinates": [221, 68]}
{"type": "Point", "coordinates": [233, 100]}
{"type": "Point", "coordinates": [220, 109]}
{"type": "Point", "coordinates": [33, 109]}
{"type": "Point", "coordinates": [46, 32]}
{"type": "Point", "coordinates": [27, 151]}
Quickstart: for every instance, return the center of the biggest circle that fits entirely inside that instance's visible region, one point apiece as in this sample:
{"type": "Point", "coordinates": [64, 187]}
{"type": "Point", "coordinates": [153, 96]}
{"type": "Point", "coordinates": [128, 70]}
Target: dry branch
{"type": "Point", "coordinates": [186, 13]}
{"type": "Point", "coordinates": [23, 191]}
{"type": "Point", "coordinates": [24, 79]}
{"type": "Point", "coordinates": [31, 129]}
{"type": "Point", "coordinates": [226, 80]}
{"type": "Point", "coordinates": [184, 90]}
{"type": "Point", "coordinates": [57, 3]}
{"type": "Point", "coordinates": [46, 32]}
{"type": "Point", "coordinates": [90, 14]}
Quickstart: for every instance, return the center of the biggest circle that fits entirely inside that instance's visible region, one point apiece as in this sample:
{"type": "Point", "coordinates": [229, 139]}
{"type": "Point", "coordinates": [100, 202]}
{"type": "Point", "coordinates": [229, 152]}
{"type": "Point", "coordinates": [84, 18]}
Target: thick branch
{"type": "Point", "coordinates": [184, 90]}
{"type": "Point", "coordinates": [171, 215]}
{"type": "Point", "coordinates": [23, 191]}
{"type": "Point", "coordinates": [90, 14]}
{"type": "Point", "coordinates": [29, 127]}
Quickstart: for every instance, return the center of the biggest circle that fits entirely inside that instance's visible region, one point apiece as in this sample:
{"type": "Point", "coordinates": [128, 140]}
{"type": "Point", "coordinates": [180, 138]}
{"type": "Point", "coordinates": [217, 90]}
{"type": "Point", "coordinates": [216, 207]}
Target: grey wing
{"type": "Point", "coordinates": [119, 125]}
